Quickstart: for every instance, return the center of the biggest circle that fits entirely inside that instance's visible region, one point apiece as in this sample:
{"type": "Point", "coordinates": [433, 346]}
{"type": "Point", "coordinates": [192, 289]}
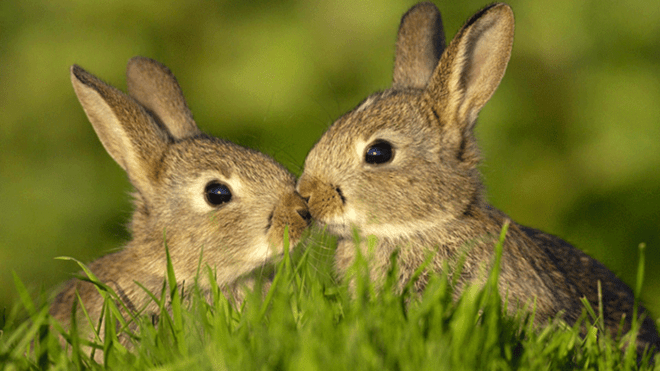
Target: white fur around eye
{"type": "Point", "coordinates": [360, 148]}
{"type": "Point", "coordinates": [195, 190]}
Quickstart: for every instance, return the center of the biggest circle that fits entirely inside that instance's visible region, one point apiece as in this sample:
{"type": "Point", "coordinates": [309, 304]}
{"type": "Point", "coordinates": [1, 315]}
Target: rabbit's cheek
{"type": "Point", "coordinates": [261, 251]}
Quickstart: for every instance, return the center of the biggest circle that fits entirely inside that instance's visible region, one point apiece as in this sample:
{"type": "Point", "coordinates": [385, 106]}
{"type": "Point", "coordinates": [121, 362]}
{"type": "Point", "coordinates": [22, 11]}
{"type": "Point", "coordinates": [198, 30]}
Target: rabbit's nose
{"type": "Point", "coordinates": [304, 213]}
{"type": "Point", "coordinates": [305, 198]}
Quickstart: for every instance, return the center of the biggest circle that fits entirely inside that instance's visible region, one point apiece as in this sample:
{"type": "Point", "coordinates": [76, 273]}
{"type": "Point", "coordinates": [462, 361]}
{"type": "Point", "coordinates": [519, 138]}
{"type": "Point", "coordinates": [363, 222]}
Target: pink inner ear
{"type": "Point", "coordinates": [482, 56]}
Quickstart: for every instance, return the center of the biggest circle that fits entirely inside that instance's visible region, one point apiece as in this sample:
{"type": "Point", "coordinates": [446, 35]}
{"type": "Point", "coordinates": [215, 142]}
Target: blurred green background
{"type": "Point", "coordinates": [571, 139]}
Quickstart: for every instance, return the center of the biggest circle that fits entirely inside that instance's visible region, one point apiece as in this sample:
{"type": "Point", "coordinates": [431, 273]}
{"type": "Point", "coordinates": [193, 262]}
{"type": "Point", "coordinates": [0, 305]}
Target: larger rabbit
{"type": "Point", "coordinates": [403, 166]}
{"type": "Point", "coordinates": [200, 195]}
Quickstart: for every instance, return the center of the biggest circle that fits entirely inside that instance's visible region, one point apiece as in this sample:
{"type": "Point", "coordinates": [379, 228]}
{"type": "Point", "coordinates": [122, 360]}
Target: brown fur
{"type": "Point", "coordinates": [430, 197]}
{"type": "Point", "coordinates": [153, 137]}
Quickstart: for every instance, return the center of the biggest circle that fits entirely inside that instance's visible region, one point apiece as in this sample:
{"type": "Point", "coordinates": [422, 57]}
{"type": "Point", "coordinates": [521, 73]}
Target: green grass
{"type": "Point", "coordinates": [308, 321]}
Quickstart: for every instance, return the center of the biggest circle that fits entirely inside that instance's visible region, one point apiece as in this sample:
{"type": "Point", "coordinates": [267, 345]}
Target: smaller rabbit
{"type": "Point", "coordinates": [192, 191]}
{"type": "Point", "coordinates": [402, 166]}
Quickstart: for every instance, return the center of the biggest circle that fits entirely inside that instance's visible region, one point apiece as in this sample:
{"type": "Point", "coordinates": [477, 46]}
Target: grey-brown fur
{"type": "Point", "coordinates": [151, 134]}
{"type": "Point", "coordinates": [429, 197]}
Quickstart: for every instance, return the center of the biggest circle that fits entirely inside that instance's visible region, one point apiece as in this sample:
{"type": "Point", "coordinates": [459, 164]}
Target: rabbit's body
{"type": "Point", "coordinates": [403, 167]}
{"type": "Point", "coordinates": [200, 195]}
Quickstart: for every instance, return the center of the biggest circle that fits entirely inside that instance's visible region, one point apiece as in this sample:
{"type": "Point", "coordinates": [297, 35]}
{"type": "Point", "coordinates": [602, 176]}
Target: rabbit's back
{"type": "Point", "coordinates": [584, 274]}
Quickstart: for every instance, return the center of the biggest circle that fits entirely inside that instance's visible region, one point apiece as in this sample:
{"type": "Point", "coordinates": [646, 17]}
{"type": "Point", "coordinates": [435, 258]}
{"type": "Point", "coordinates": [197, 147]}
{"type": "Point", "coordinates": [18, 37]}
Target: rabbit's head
{"type": "Point", "coordinates": [405, 159]}
{"type": "Point", "coordinates": [192, 191]}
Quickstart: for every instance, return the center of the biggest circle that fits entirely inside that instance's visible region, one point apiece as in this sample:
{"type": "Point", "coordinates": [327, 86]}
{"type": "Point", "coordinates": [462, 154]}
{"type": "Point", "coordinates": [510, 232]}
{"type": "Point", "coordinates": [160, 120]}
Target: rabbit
{"type": "Point", "coordinates": [200, 195]}
{"type": "Point", "coordinates": [403, 167]}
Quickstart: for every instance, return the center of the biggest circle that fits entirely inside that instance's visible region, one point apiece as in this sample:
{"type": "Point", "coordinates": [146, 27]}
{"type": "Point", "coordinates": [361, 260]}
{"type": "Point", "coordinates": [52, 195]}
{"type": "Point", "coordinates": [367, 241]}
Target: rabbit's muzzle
{"type": "Point", "coordinates": [325, 201]}
{"type": "Point", "coordinates": [291, 211]}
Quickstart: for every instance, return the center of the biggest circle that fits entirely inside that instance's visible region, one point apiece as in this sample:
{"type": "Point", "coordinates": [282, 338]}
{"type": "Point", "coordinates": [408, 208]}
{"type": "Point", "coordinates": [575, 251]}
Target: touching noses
{"type": "Point", "coordinates": [304, 212]}
{"type": "Point", "coordinates": [323, 199]}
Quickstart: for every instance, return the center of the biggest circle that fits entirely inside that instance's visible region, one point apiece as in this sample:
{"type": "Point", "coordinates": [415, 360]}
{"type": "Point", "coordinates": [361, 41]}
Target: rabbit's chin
{"type": "Point", "coordinates": [340, 230]}
{"type": "Point", "coordinates": [379, 231]}
{"type": "Point", "coordinates": [265, 252]}
{"type": "Point", "coordinates": [385, 231]}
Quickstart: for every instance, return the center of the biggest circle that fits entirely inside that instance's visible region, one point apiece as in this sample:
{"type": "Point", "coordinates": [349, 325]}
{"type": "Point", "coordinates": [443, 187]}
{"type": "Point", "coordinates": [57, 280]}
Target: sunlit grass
{"type": "Point", "coordinates": [309, 321]}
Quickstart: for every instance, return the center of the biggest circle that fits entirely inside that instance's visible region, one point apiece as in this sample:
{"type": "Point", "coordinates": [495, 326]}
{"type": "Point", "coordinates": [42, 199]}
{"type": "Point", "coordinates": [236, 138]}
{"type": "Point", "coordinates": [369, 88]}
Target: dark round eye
{"type": "Point", "coordinates": [217, 194]}
{"type": "Point", "coordinates": [379, 152]}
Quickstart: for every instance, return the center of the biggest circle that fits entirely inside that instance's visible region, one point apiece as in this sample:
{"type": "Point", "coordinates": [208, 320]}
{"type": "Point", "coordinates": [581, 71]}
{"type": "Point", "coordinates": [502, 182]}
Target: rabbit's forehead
{"type": "Point", "coordinates": [393, 117]}
{"type": "Point", "coordinates": [229, 161]}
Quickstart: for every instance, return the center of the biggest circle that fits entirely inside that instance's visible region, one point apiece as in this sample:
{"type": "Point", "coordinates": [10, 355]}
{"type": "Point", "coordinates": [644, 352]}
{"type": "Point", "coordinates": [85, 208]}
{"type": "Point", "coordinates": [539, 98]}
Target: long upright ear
{"type": "Point", "coordinates": [129, 134]}
{"type": "Point", "coordinates": [419, 45]}
{"type": "Point", "coordinates": [472, 66]}
{"type": "Point", "coordinates": [155, 87]}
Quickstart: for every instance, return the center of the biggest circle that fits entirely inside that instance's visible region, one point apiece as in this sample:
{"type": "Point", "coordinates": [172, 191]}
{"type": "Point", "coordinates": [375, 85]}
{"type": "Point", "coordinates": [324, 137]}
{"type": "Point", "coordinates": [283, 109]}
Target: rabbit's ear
{"type": "Point", "coordinates": [155, 87]}
{"type": "Point", "coordinates": [419, 45]}
{"type": "Point", "coordinates": [129, 134]}
{"type": "Point", "coordinates": [472, 66]}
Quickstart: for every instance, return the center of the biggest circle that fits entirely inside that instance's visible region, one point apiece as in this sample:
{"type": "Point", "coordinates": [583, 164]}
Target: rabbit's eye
{"type": "Point", "coordinates": [217, 194]}
{"type": "Point", "coordinates": [379, 152]}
